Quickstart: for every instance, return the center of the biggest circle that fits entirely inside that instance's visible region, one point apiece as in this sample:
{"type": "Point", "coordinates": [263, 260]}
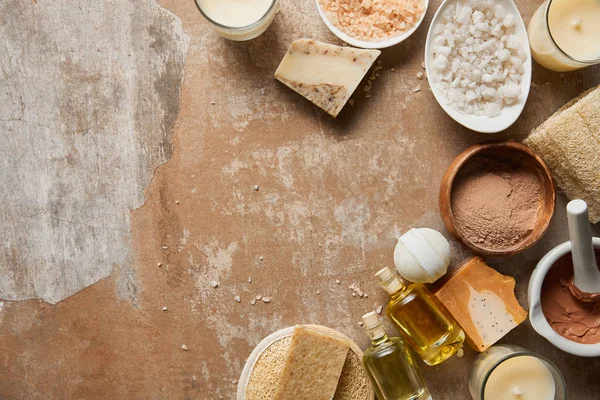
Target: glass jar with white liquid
{"type": "Point", "coordinates": [238, 19]}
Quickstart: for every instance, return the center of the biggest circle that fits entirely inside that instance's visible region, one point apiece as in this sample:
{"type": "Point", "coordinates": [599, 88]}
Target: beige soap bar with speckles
{"type": "Point", "coordinates": [312, 367]}
{"type": "Point", "coordinates": [325, 74]}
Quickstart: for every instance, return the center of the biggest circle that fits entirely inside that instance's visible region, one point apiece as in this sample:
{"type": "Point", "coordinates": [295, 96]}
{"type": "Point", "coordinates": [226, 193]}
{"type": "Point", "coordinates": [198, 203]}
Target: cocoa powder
{"type": "Point", "coordinates": [495, 204]}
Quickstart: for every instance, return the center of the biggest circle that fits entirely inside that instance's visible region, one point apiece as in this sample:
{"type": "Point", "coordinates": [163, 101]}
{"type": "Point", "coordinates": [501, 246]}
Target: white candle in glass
{"type": "Point", "coordinates": [512, 373]}
{"type": "Point", "coordinates": [520, 378]}
{"type": "Point", "coordinates": [564, 34]}
{"type": "Point", "coordinates": [238, 19]}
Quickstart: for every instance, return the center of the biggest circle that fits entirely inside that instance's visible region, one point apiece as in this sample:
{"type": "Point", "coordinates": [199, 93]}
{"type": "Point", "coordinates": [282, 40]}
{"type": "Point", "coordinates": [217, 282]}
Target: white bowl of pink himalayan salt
{"type": "Point", "coordinates": [372, 24]}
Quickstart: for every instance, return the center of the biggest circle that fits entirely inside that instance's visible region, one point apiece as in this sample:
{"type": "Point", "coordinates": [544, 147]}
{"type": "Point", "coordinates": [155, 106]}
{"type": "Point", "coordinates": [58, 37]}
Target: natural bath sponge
{"type": "Point", "coordinates": [267, 371]}
{"type": "Point", "coordinates": [569, 142]}
{"type": "Point", "coordinates": [313, 366]}
{"type": "Point", "coordinates": [422, 255]}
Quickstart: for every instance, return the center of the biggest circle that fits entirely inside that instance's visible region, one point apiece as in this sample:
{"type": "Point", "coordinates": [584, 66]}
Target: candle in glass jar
{"type": "Point", "coordinates": [505, 372]}
{"type": "Point", "coordinates": [520, 378]}
{"type": "Point", "coordinates": [564, 34]}
{"type": "Point", "coordinates": [239, 19]}
{"type": "Point", "coordinates": [575, 27]}
{"type": "Point", "coordinates": [235, 13]}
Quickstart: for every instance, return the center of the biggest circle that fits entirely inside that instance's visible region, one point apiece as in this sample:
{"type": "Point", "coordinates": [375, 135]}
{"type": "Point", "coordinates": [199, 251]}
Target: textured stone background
{"type": "Point", "coordinates": [89, 103]}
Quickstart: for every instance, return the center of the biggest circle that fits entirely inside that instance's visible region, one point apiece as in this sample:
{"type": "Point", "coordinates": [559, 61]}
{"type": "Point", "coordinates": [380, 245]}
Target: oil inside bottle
{"type": "Point", "coordinates": [391, 365]}
{"type": "Point", "coordinates": [423, 321]}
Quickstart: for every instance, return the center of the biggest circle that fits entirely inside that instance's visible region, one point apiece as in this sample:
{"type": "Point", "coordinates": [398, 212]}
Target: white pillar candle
{"type": "Point", "coordinates": [564, 34]}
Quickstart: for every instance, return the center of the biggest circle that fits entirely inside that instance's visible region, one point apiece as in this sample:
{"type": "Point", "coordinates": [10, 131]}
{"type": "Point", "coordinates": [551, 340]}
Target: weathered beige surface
{"type": "Point", "coordinates": [88, 100]}
{"type": "Point", "coordinates": [333, 196]}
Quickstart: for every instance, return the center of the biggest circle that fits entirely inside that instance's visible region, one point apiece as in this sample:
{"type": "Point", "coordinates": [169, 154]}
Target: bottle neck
{"type": "Point", "coordinates": [377, 334]}
{"type": "Point", "coordinates": [394, 287]}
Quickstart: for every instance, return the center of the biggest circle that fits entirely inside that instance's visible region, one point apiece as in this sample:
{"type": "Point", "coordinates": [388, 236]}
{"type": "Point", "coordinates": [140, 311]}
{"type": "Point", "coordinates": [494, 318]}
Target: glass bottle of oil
{"type": "Point", "coordinates": [391, 365]}
{"type": "Point", "coordinates": [423, 321]}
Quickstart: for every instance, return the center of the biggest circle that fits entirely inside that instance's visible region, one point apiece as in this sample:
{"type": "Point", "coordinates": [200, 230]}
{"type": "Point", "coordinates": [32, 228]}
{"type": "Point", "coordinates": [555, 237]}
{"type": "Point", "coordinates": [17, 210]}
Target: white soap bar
{"type": "Point", "coordinates": [325, 74]}
{"type": "Point", "coordinates": [422, 255]}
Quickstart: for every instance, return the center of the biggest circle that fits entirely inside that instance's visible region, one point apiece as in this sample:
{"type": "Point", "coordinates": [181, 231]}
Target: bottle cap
{"type": "Point", "coordinates": [371, 319]}
{"type": "Point", "coordinates": [389, 280]}
{"type": "Point", "coordinates": [384, 274]}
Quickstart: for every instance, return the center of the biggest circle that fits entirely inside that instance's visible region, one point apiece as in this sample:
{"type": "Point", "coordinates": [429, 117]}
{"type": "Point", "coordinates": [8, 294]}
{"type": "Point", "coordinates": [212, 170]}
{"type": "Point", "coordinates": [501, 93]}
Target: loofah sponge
{"type": "Point", "coordinates": [267, 370]}
{"type": "Point", "coordinates": [569, 142]}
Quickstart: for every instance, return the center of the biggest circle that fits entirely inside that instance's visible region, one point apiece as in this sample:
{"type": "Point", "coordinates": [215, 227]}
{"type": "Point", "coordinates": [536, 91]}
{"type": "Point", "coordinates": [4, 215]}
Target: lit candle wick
{"type": "Point", "coordinates": [518, 392]}
{"type": "Point", "coordinates": [576, 23]}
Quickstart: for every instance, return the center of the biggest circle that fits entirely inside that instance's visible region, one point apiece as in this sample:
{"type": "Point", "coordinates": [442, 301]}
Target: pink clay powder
{"type": "Point", "coordinates": [496, 204]}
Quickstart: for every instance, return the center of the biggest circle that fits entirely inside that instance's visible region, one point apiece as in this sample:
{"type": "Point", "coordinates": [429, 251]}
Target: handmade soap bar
{"type": "Point", "coordinates": [325, 74]}
{"type": "Point", "coordinates": [312, 367]}
{"type": "Point", "coordinates": [482, 301]}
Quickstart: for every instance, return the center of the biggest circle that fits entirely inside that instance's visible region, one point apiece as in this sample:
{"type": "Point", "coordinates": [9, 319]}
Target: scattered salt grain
{"type": "Point", "coordinates": [253, 301]}
{"type": "Point", "coordinates": [214, 284]}
{"type": "Point", "coordinates": [460, 353]}
{"type": "Point", "coordinates": [337, 281]}
{"type": "Point", "coordinates": [256, 187]}
{"type": "Point", "coordinates": [184, 347]}
{"type": "Point", "coordinates": [419, 75]}
{"type": "Point", "coordinates": [417, 89]}
{"type": "Point", "coordinates": [379, 309]}
{"type": "Point", "coordinates": [360, 323]}
{"type": "Point", "coordinates": [258, 297]}
{"type": "Point", "coordinates": [249, 279]}
{"type": "Point", "coordinates": [159, 265]}
{"type": "Point", "coordinates": [266, 299]}
{"type": "Point", "coordinates": [237, 298]}
{"type": "Point", "coordinates": [165, 308]}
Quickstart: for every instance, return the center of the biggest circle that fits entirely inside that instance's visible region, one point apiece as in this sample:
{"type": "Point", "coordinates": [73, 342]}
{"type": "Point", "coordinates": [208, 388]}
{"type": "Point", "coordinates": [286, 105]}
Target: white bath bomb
{"type": "Point", "coordinates": [422, 255]}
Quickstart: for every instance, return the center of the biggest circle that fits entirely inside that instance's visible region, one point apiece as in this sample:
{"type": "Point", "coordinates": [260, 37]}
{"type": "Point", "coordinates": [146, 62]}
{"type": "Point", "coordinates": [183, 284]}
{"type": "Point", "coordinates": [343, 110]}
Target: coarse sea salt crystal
{"type": "Point", "coordinates": [478, 58]}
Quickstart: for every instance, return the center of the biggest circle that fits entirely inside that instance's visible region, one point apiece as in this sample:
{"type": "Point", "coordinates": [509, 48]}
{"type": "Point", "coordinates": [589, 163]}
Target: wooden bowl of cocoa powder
{"type": "Point", "coordinates": [498, 198]}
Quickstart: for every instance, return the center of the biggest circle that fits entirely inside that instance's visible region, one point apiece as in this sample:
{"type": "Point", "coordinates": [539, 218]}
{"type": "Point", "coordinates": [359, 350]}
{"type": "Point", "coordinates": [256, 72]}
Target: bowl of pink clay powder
{"type": "Point", "coordinates": [498, 198]}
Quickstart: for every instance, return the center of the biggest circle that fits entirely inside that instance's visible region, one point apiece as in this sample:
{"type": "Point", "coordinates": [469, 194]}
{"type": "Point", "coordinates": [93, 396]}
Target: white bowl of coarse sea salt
{"type": "Point", "coordinates": [478, 62]}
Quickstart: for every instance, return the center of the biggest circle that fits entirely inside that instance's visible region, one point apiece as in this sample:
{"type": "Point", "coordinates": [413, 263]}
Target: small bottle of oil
{"type": "Point", "coordinates": [391, 365]}
{"type": "Point", "coordinates": [423, 321]}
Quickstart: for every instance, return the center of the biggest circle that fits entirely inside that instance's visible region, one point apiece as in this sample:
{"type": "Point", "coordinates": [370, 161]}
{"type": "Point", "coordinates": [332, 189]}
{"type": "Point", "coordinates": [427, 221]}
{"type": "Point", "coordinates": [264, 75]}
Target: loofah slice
{"type": "Point", "coordinates": [569, 142]}
{"type": "Point", "coordinates": [264, 367]}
